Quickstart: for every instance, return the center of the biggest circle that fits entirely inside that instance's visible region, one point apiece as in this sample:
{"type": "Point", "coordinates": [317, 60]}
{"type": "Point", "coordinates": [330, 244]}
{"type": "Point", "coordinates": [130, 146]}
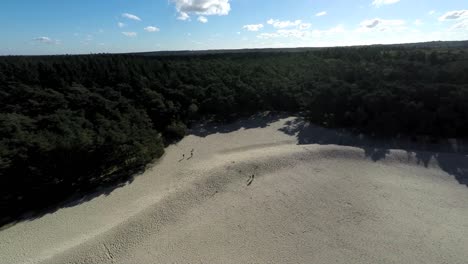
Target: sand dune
{"type": "Point", "coordinates": [262, 191]}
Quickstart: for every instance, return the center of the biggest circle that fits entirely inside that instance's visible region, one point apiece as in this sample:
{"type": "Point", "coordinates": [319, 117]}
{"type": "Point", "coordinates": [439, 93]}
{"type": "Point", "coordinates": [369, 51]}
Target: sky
{"type": "Point", "coordinates": [36, 27]}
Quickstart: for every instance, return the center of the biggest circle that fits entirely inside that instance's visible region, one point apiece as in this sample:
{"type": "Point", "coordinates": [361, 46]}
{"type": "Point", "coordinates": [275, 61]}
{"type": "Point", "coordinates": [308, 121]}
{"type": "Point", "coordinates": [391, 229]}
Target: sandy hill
{"type": "Point", "coordinates": [268, 189]}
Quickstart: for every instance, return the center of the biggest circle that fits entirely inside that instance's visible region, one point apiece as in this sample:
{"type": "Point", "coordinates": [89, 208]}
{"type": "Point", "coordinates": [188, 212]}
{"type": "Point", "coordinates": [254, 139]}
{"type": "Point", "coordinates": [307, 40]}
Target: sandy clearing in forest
{"type": "Point", "coordinates": [251, 194]}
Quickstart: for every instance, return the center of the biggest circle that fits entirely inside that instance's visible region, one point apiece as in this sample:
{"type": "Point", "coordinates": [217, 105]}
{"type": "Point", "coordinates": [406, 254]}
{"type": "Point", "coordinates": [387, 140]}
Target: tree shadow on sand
{"type": "Point", "coordinates": [68, 198]}
{"type": "Point", "coordinates": [260, 120]}
{"type": "Point", "coordinates": [451, 155]}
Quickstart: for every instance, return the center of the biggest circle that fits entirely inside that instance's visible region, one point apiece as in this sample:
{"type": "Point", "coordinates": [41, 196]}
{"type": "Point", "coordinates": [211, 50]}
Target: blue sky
{"type": "Point", "coordinates": [91, 26]}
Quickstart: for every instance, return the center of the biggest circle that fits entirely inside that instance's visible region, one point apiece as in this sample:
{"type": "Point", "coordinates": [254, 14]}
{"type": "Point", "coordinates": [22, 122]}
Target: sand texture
{"type": "Point", "coordinates": [268, 189]}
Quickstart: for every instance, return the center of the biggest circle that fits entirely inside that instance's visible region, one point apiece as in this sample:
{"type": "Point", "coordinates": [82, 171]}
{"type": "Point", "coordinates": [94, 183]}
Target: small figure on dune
{"type": "Point", "coordinates": [183, 157]}
{"type": "Point", "coordinates": [251, 178]}
{"type": "Point", "coordinates": [191, 154]}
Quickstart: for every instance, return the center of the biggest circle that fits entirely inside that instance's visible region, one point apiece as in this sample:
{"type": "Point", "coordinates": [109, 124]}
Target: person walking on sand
{"type": "Point", "coordinates": [191, 154]}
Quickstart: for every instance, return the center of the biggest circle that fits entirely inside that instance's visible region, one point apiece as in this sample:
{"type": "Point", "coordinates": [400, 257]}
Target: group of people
{"type": "Point", "coordinates": [191, 155]}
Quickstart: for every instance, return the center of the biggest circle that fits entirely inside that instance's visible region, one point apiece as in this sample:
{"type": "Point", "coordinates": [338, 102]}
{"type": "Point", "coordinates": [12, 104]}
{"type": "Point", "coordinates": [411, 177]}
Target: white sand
{"type": "Point", "coordinates": [306, 204]}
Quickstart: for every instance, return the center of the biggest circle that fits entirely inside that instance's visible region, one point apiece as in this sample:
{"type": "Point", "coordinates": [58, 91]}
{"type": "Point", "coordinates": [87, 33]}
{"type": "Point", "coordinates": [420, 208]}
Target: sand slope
{"type": "Point", "coordinates": [306, 203]}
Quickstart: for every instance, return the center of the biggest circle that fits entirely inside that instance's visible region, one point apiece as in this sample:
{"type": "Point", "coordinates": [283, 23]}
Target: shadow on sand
{"type": "Point", "coordinates": [450, 155]}
{"type": "Point", "coordinates": [68, 198]}
{"type": "Point", "coordinates": [260, 120]}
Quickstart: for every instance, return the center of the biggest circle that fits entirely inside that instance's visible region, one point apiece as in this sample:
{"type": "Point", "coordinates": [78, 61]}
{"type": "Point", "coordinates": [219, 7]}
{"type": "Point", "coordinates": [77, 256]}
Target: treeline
{"type": "Point", "coordinates": [72, 123]}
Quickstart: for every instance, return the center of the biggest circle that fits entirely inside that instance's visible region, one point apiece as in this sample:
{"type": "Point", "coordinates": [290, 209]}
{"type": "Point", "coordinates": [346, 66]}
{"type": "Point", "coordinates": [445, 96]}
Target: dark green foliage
{"type": "Point", "coordinates": [73, 123]}
{"type": "Point", "coordinates": [56, 143]}
{"type": "Point", "coordinates": [175, 131]}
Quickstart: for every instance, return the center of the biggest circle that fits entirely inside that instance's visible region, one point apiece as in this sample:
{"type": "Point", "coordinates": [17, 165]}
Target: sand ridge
{"type": "Point", "coordinates": [252, 194]}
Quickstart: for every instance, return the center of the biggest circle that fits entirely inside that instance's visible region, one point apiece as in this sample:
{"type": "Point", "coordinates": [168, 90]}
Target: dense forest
{"type": "Point", "coordinates": [69, 124]}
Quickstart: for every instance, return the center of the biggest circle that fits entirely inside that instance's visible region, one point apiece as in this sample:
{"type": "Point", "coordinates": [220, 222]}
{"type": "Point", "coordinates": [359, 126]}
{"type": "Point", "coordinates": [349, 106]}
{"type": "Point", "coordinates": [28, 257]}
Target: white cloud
{"type": "Point", "coordinates": [304, 26]}
{"type": "Point", "coordinates": [183, 16]}
{"type": "Point", "coordinates": [131, 16]}
{"type": "Point", "coordinates": [120, 25]}
{"type": "Point", "coordinates": [418, 22]}
{"type": "Point", "coordinates": [333, 30]}
{"type": "Point", "coordinates": [379, 3]}
{"type": "Point", "coordinates": [255, 27]}
{"type": "Point", "coordinates": [462, 25]}
{"type": "Point", "coordinates": [323, 13]}
{"type": "Point", "coordinates": [130, 34]}
{"type": "Point", "coordinates": [454, 15]}
{"type": "Point", "coordinates": [294, 29]}
{"type": "Point", "coordinates": [302, 34]}
{"type": "Point", "coordinates": [460, 17]}
{"type": "Point", "coordinates": [283, 24]}
{"type": "Point", "coordinates": [370, 23]}
{"type": "Point", "coordinates": [381, 24]}
{"type": "Point", "coordinates": [151, 29]}
{"type": "Point", "coordinates": [202, 19]}
{"type": "Point", "coordinates": [431, 12]}
{"type": "Point", "coordinates": [201, 7]}
{"type": "Point", "coordinates": [43, 39]}
{"type": "Point", "coordinates": [46, 40]}
{"type": "Point", "coordinates": [288, 24]}
{"type": "Point", "coordinates": [328, 32]}
{"type": "Point", "coordinates": [292, 33]}
{"type": "Point", "coordinates": [268, 35]}
{"type": "Point", "coordinates": [344, 36]}
{"type": "Point", "coordinates": [284, 33]}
